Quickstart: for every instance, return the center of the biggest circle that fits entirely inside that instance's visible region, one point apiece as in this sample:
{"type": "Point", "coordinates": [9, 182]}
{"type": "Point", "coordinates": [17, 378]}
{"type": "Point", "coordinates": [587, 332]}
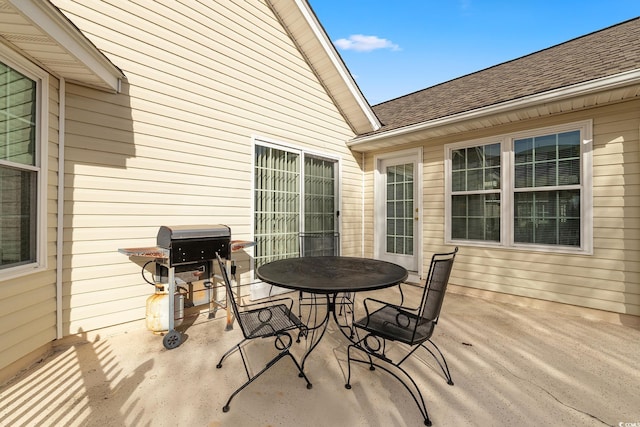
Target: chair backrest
{"type": "Point", "coordinates": [319, 244]}
{"type": "Point", "coordinates": [436, 285]}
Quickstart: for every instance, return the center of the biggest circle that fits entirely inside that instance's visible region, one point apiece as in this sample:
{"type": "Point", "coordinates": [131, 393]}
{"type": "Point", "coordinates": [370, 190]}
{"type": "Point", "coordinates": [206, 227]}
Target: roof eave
{"type": "Point", "coordinates": [312, 41]}
{"type": "Point", "coordinates": [78, 60]}
{"type": "Point", "coordinates": [379, 140]}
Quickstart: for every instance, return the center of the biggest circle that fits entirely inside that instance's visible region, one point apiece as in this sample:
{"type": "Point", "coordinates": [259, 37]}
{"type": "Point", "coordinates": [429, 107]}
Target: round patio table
{"type": "Point", "coordinates": [331, 276]}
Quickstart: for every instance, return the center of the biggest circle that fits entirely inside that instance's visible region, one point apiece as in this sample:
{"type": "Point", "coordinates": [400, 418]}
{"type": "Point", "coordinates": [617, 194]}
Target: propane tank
{"type": "Point", "coordinates": [157, 315]}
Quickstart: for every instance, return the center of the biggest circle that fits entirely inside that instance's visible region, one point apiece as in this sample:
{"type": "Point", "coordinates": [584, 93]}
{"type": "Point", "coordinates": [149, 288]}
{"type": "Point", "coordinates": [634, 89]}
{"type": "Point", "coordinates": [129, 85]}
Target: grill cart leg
{"type": "Point", "coordinates": [173, 338]}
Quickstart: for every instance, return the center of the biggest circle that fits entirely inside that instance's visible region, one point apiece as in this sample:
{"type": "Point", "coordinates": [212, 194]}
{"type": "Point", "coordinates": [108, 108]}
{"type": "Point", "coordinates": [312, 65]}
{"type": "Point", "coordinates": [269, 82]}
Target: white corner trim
{"type": "Point", "coordinates": [60, 212]}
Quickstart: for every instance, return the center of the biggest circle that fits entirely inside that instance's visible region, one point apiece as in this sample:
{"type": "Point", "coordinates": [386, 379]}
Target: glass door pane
{"type": "Point", "coordinates": [277, 204]}
{"type": "Point", "coordinates": [399, 239]}
{"type": "Point", "coordinates": [320, 195]}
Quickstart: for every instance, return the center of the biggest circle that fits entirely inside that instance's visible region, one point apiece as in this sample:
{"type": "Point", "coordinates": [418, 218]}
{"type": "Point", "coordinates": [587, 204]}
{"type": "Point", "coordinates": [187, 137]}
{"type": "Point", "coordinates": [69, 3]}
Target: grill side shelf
{"type": "Point", "coordinates": [153, 252]}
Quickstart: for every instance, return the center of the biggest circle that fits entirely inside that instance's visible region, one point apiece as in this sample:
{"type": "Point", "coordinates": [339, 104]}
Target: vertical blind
{"type": "Point", "coordinates": [320, 195]}
{"type": "Point", "coordinates": [277, 204]}
{"type": "Point", "coordinates": [279, 212]}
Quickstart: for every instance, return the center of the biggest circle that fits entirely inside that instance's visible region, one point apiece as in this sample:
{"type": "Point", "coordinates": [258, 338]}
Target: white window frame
{"type": "Point", "coordinates": [507, 159]}
{"type": "Point", "coordinates": [41, 77]}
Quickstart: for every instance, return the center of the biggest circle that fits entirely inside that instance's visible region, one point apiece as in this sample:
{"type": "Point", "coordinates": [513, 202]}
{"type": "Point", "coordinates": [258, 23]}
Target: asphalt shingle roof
{"type": "Point", "coordinates": [603, 53]}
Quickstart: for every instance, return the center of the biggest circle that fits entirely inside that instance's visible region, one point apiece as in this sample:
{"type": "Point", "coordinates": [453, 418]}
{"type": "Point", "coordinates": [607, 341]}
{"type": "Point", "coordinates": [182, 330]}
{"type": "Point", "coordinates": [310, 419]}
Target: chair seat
{"type": "Point", "coordinates": [268, 321]}
{"type": "Point", "coordinates": [395, 324]}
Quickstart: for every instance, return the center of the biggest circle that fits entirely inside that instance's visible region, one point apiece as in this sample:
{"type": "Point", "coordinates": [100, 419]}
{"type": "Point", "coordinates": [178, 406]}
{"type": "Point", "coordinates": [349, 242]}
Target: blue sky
{"type": "Point", "coordinates": [393, 48]}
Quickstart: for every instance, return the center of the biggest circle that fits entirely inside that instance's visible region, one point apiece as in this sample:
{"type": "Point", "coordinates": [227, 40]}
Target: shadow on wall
{"type": "Point", "coordinates": [100, 190]}
{"type": "Point", "coordinates": [74, 382]}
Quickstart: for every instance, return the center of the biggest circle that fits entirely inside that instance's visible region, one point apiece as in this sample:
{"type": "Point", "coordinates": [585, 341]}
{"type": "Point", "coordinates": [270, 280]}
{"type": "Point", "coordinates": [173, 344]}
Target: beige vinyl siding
{"type": "Point", "coordinates": [609, 279]}
{"type": "Point", "coordinates": [175, 146]}
{"type": "Point", "coordinates": [28, 303]}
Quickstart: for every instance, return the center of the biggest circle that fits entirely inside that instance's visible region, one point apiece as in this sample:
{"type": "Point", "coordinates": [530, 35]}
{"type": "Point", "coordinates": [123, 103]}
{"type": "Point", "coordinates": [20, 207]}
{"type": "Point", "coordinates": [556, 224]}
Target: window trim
{"type": "Point", "coordinates": [41, 77]}
{"type": "Point", "coordinates": [507, 190]}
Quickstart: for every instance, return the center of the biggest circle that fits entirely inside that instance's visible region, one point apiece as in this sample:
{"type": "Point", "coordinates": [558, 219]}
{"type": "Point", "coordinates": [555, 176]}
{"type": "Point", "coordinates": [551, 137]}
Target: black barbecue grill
{"type": "Point", "coordinates": [185, 249]}
{"type": "Point", "coordinates": [194, 243]}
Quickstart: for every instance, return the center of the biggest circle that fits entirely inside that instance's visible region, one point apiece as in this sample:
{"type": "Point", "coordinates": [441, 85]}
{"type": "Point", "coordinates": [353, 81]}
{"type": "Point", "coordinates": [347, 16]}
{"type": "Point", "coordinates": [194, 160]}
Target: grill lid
{"type": "Point", "coordinates": [168, 234]}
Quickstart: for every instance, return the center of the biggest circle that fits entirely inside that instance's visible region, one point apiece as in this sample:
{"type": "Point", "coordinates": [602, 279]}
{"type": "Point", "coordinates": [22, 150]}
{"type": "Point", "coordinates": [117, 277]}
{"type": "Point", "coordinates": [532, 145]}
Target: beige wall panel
{"type": "Point", "coordinates": [610, 243]}
{"type": "Point", "coordinates": [109, 295]}
{"type": "Point", "coordinates": [91, 317]}
{"type": "Point", "coordinates": [97, 284]}
{"type": "Point", "coordinates": [211, 214]}
{"type": "Point", "coordinates": [31, 342]}
{"type": "Point", "coordinates": [34, 320]}
{"type": "Point", "coordinates": [621, 190]}
{"type": "Point", "coordinates": [232, 42]}
{"type": "Point", "coordinates": [608, 280]}
{"type": "Point", "coordinates": [40, 297]}
{"type": "Point", "coordinates": [175, 146]}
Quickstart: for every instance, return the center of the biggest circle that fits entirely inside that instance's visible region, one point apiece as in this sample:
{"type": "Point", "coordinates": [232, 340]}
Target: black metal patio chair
{"type": "Point", "coordinates": [262, 320]}
{"type": "Point", "coordinates": [319, 244]}
{"type": "Point", "coordinates": [412, 327]}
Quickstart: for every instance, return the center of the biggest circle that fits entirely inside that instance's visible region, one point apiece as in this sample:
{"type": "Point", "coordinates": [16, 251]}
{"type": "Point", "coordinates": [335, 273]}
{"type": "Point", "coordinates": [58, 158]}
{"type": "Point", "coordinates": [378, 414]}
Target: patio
{"type": "Point", "coordinates": [511, 366]}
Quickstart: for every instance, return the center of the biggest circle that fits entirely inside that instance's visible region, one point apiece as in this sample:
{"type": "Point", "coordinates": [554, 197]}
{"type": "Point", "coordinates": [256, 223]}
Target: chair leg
{"type": "Point", "coordinates": [230, 351]}
{"type": "Point", "coordinates": [272, 362]}
{"type": "Point", "coordinates": [348, 384]}
{"type": "Point", "coordinates": [416, 395]}
{"type": "Point", "coordinates": [443, 365]}
{"type": "Point", "coordinates": [346, 311]}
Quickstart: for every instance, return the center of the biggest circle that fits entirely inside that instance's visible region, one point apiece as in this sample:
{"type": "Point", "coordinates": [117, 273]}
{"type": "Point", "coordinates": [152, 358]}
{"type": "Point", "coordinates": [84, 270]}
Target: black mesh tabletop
{"type": "Point", "coordinates": [331, 274]}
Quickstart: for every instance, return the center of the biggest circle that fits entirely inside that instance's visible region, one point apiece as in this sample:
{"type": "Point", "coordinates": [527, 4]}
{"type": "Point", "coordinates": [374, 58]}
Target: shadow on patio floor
{"type": "Point", "coordinates": [512, 366]}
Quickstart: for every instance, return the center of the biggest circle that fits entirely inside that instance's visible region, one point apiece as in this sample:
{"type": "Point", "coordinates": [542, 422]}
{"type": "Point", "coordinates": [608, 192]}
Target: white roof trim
{"type": "Point", "coordinates": [304, 29]}
{"type": "Point", "coordinates": [626, 78]}
{"type": "Point", "coordinates": [337, 62]}
{"type": "Point", "coordinates": [48, 19]}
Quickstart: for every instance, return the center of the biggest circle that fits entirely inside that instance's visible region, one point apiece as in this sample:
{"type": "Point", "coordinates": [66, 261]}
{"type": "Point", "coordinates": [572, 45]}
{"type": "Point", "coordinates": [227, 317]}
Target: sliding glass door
{"type": "Point", "coordinates": [294, 192]}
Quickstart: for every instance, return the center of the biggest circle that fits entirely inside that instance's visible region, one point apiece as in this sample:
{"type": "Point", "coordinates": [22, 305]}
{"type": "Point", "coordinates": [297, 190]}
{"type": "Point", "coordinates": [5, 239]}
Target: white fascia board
{"type": "Point", "coordinates": [626, 78]}
{"type": "Point", "coordinates": [47, 17]}
{"type": "Point", "coordinates": [339, 65]}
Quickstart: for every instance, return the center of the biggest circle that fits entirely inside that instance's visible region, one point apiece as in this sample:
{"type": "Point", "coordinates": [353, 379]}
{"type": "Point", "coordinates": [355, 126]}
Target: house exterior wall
{"type": "Point", "coordinates": [28, 302]}
{"type": "Point", "coordinates": [608, 280]}
{"type": "Point", "coordinates": [174, 147]}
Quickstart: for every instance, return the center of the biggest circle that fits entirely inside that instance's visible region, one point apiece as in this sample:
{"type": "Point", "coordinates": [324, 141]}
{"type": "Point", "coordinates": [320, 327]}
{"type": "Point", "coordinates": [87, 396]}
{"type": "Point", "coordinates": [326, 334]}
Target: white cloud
{"type": "Point", "coordinates": [362, 43]}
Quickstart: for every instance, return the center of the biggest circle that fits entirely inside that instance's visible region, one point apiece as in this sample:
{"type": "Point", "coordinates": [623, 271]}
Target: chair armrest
{"type": "Point", "coordinates": [289, 303]}
{"type": "Point", "coordinates": [386, 303]}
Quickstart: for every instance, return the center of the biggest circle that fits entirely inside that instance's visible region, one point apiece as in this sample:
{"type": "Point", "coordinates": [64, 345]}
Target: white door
{"type": "Point", "coordinates": [397, 216]}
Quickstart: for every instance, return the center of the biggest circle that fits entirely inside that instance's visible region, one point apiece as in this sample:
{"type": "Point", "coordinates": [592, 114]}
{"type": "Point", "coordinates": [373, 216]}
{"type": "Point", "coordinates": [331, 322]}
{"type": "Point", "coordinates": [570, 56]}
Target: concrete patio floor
{"type": "Point", "coordinates": [512, 366]}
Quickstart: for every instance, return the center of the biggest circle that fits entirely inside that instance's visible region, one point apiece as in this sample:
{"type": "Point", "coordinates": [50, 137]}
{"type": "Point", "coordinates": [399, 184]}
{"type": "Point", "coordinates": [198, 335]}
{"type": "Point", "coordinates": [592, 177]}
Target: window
{"type": "Point", "coordinates": [20, 174]}
{"type": "Point", "coordinates": [475, 202]}
{"type": "Point", "coordinates": [547, 189]}
{"type": "Point", "coordinates": [294, 191]}
{"type": "Point", "coordinates": [531, 189]}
